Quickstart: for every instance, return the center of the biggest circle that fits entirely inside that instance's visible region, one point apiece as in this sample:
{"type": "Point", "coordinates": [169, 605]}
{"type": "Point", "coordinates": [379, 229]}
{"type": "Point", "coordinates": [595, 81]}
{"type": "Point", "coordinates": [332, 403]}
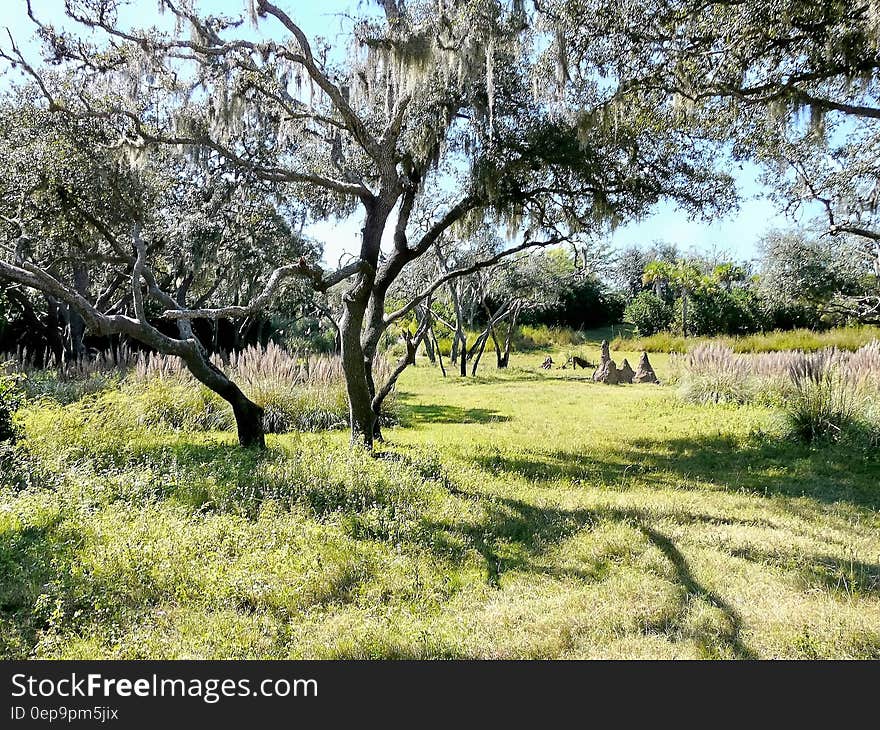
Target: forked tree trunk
{"type": "Point", "coordinates": [409, 358]}
{"type": "Point", "coordinates": [429, 351]}
{"type": "Point", "coordinates": [479, 348]}
{"type": "Point", "coordinates": [504, 358]}
{"type": "Point", "coordinates": [355, 343]}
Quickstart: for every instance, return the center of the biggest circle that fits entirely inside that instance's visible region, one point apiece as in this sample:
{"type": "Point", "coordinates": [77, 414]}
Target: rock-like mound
{"type": "Point", "coordinates": [645, 373]}
{"type": "Point", "coordinates": [625, 372]}
{"type": "Point", "coordinates": [607, 370]}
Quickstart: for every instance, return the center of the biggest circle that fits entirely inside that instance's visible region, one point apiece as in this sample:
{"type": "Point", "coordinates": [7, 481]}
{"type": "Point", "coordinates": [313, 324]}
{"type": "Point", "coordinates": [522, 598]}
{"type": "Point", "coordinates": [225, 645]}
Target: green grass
{"type": "Point", "coordinates": [517, 514]}
{"type": "Point", "coordinates": [843, 338]}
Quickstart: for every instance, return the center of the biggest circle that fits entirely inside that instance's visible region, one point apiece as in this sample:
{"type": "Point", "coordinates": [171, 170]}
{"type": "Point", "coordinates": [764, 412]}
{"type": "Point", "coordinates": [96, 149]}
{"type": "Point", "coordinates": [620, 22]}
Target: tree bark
{"type": "Point", "coordinates": [248, 422]}
{"type": "Point", "coordinates": [77, 327]}
{"type": "Point", "coordinates": [492, 321]}
{"type": "Point", "coordinates": [359, 347]}
{"type": "Point", "coordinates": [463, 356]}
{"type": "Point", "coordinates": [439, 354]}
{"type": "Point", "coordinates": [354, 366]}
{"type": "Point", "coordinates": [430, 353]}
{"type": "Point", "coordinates": [480, 348]}
{"type": "Point", "coordinates": [504, 359]}
{"type": "Point", "coordinates": [248, 415]}
{"type": "Point", "coordinates": [409, 358]}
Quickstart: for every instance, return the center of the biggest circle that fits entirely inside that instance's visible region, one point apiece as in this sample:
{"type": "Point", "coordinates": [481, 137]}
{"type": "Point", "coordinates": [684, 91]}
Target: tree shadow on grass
{"type": "Point", "coordinates": [414, 415]}
{"type": "Point", "coordinates": [766, 467]}
{"type": "Point", "coordinates": [769, 467]}
{"type": "Point", "coordinates": [514, 534]}
{"type": "Point", "coordinates": [731, 635]}
{"type": "Point", "coordinates": [848, 577]}
{"type": "Point", "coordinates": [168, 467]}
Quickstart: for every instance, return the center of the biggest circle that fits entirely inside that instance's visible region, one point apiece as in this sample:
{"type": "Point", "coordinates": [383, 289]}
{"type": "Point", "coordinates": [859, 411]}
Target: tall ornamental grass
{"type": "Point", "coordinates": [820, 394]}
{"type": "Point", "coordinates": [297, 392]}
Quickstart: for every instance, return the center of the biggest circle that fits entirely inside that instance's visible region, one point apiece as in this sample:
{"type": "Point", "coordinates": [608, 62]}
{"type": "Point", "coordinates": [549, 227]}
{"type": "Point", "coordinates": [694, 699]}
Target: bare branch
{"type": "Point", "coordinates": [464, 271]}
{"type": "Point", "coordinates": [315, 275]}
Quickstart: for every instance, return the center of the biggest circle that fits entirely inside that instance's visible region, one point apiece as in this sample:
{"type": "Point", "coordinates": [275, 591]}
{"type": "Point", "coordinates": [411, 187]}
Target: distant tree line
{"type": "Point", "coordinates": [800, 279]}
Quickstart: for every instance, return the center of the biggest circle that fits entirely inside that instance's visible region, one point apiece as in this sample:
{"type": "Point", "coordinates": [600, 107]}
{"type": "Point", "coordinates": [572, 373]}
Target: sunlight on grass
{"type": "Point", "coordinates": [517, 514]}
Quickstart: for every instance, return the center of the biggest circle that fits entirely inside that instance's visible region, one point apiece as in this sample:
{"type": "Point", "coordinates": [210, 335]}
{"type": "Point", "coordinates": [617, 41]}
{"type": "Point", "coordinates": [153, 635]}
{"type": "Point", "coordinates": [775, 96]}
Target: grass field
{"type": "Point", "coordinates": [842, 338]}
{"type": "Point", "coordinates": [517, 514]}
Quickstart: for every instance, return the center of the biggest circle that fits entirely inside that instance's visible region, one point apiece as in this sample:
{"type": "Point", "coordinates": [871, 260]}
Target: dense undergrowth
{"type": "Point", "coordinates": [297, 393]}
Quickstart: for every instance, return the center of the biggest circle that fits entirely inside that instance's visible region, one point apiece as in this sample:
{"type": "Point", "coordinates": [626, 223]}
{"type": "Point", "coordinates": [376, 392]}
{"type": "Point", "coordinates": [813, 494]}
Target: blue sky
{"type": "Point", "coordinates": [737, 234]}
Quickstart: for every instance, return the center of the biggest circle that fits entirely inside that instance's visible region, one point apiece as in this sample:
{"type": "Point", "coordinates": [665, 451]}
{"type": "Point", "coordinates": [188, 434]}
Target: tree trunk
{"type": "Point", "coordinates": [429, 350]}
{"type": "Point", "coordinates": [376, 404]}
{"type": "Point", "coordinates": [248, 422]}
{"type": "Point", "coordinates": [439, 354]}
{"type": "Point", "coordinates": [359, 347]}
{"type": "Point", "coordinates": [492, 322]}
{"type": "Point", "coordinates": [504, 360]}
{"type": "Point", "coordinates": [77, 327]}
{"type": "Point", "coordinates": [53, 328]}
{"type": "Point", "coordinates": [481, 346]}
{"type": "Point", "coordinates": [459, 339]}
{"type": "Point", "coordinates": [462, 356]}
{"type": "Point", "coordinates": [357, 388]}
{"type": "Point", "coordinates": [409, 358]}
{"type": "Point", "coordinates": [248, 415]}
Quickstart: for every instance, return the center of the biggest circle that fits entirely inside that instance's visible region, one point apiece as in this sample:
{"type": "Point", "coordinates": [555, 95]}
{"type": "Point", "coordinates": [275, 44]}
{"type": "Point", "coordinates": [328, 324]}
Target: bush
{"type": "Point", "coordinates": [542, 337]}
{"type": "Point", "coordinates": [717, 311]}
{"type": "Point", "coordinates": [824, 402]}
{"type": "Point", "coordinates": [10, 401]}
{"type": "Point", "coordinates": [584, 304]}
{"type": "Point", "coordinates": [649, 313]}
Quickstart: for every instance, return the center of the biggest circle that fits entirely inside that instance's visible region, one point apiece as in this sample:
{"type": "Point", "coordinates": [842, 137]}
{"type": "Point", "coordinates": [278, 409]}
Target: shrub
{"type": "Point", "coordinates": [649, 313]}
{"type": "Point", "coordinates": [582, 304]}
{"type": "Point", "coordinates": [717, 311]}
{"type": "Point", "coordinates": [541, 337]}
{"type": "Point", "coordinates": [10, 401]}
{"type": "Point", "coordinates": [824, 401]}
